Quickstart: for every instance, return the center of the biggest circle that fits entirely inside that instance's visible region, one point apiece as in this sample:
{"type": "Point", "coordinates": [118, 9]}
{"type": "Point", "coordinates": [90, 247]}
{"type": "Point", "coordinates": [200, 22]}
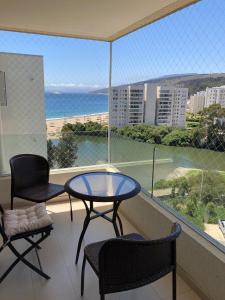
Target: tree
{"type": "Point", "coordinates": [88, 128]}
{"type": "Point", "coordinates": [51, 153]}
{"type": "Point", "coordinates": [190, 208]}
{"type": "Point", "coordinates": [211, 213]}
{"type": "Point", "coordinates": [213, 122]}
{"type": "Point", "coordinates": [66, 153]}
{"type": "Point", "coordinates": [183, 187]}
{"type": "Point", "coordinates": [178, 137]}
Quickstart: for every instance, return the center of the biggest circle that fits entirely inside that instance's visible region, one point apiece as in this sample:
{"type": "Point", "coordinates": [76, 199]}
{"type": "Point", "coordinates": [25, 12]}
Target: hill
{"type": "Point", "coordinates": [194, 82]}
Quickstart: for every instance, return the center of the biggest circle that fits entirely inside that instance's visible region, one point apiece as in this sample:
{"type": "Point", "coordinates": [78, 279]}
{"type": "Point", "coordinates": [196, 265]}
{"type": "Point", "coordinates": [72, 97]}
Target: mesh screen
{"type": "Point", "coordinates": [51, 82]}
{"type": "Point", "coordinates": [168, 94]}
{"type": "Point", "coordinates": [175, 67]}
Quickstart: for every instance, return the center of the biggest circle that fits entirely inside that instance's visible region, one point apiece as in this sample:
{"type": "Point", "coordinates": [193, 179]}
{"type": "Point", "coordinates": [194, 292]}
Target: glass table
{"type": "Point", "coordinates": [101, 187]}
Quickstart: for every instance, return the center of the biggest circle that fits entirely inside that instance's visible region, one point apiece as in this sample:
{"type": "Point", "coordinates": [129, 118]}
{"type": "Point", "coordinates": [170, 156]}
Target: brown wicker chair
{"type": "Point", "coordinates": [30, 180]}
{"type": "Point", "coordinates": [130, 261]}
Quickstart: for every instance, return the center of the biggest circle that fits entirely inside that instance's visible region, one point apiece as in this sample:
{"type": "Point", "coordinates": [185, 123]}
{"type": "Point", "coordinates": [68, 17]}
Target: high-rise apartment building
{"type": "Point", "coordinates": [137, 104]}
{"type": "Point", "coordinates": [215, 95]}
{"type": "Point", "coordinates": [197, 102]}
{"type": "Point", "coordinates": [132, 104]}
{"type": "Point", "coordinates": [171, 106]}
{"type": "Point", "coordinates": [119, 107]}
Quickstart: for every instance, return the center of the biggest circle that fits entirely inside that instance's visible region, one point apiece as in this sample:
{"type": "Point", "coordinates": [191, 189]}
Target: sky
{"type": "Point", "coordinates": [189, 41]}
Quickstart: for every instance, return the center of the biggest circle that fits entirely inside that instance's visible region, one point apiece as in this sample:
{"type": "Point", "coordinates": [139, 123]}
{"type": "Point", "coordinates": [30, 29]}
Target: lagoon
{"type": "Point", "coordinates": [94, 150]}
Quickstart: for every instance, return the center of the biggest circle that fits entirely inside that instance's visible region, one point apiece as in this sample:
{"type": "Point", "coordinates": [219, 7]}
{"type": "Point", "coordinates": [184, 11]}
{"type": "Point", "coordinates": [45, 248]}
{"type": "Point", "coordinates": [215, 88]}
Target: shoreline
{"type": "Point", "coordinates": [76, 116]}
{"type": "Point", "coordinates": [54, 125]}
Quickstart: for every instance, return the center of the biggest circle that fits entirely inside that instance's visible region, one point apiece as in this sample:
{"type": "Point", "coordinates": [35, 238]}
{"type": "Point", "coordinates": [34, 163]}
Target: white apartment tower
{"type": "Point", "coordinates": [197, 102]}
{"type": "Point", "coordinates": [135, 104]}
{"type": "Point", "coordinates": [132, 104]}
{"type": "Point", "coordinates": [215, 95]}
{"type": "Point", "coordinates": [119, 107]}
{"type": "Point", "coordinates": [171, 106]}
{"type": "Point", "coordinates": [150, 104]}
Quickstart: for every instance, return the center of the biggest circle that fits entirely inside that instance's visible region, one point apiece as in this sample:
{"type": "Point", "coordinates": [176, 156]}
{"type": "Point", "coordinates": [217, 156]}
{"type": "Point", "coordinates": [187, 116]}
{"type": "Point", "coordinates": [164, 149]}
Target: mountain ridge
{"type": "Point", "coordinates": [193, 81]}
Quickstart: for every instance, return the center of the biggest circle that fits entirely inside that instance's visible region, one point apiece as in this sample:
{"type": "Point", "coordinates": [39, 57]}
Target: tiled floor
{"type": "Point", "coordinates": [57, 256]}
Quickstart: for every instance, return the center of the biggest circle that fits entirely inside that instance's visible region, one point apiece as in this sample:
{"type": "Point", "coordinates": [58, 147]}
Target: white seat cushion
{"type": "Point", "coordinates": [24, 220]}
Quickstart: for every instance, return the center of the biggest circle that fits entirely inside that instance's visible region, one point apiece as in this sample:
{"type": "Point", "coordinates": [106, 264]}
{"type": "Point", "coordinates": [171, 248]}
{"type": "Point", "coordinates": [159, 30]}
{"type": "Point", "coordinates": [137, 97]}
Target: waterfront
{"type": "Point", "coordinates": [94, 150]}
{"type": "Point", "coordinates": [74, 104]}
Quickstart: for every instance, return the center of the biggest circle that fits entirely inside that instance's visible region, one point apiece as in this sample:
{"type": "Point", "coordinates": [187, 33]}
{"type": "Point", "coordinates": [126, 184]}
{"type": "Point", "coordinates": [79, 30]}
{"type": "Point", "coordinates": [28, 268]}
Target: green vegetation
{"type": "Point", "coordinates": [64, 153]}
{"type": "Point", "coordinates": [51, 150]}
{"type": "Point", "coordinates": [204, 130]}
{"type": "Point", "coordinates": [193, 120]}
{"type": "Point", "coordinates": [89, 128]}
{"type": "Point", "coordinates": [199, 196]}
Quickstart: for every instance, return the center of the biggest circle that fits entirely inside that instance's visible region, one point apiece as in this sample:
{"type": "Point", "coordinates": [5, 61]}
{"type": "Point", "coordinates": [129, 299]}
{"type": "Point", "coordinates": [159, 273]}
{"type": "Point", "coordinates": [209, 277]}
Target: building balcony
{"type": "Point", "coordinates": [182, 180]}
{"type": "Point", "coordinates": [149, 213]}
{"type": "Point", "coordinates": [58, 254]}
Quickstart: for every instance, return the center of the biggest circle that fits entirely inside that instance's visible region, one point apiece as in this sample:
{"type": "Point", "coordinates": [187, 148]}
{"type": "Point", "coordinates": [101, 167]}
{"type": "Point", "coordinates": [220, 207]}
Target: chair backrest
{"type": "Point", "coordinates": [28, 170]}
{"type": "Point", "coordinates": [127, 264]}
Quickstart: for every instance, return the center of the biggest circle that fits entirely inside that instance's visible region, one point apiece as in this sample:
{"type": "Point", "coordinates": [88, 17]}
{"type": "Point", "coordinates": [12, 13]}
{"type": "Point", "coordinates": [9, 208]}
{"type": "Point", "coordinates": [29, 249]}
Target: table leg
{"type": "Point", "coordinates": [115, 215]}
{"type": "Point", "coordinates": [120, 224]}
{"type": "Point", "coordinates": [85, 226]}
{"type": "Point", "coordinates": [71, 209]}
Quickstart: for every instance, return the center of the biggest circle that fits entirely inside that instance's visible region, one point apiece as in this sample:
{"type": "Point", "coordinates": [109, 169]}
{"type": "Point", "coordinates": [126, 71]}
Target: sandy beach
{"type": "Point", "coordinates": [55, 125]}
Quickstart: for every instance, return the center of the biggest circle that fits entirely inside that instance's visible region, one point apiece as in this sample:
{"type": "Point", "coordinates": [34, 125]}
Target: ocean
{"type": "Point", "coordinates": [68, 104]}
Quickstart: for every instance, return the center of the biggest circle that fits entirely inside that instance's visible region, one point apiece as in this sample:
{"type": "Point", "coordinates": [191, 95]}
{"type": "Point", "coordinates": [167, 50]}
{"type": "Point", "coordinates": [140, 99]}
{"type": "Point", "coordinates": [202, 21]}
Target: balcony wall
{"type": "Point", "coordinates": [199, 262]}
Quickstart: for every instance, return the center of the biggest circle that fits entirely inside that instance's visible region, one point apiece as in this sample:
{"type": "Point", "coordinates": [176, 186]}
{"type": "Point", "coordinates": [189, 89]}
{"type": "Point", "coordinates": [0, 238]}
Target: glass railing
{"type": "Point", "coordinates": [64, 150]}
{"type": "Point", "coordinates": [190, 182]}
{"type": "Point", "coordinates": [193, 186]}
{"type": "Point", "coordinates": [133, 158]}
{"type": "Point", "coordinates": [81, 148]}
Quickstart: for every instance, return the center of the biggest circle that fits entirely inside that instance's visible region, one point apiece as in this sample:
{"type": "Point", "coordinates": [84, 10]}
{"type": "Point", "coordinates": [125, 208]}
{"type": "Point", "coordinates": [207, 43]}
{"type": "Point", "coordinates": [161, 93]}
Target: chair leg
{"type": "Point", "coordinates": [21, 257]}
{"type": "Point", "coordinates": [71, 209]}
{"type": "Point", "coordinates": [82, 275]}
{"type": "Point", "coordinates": [174, 284]}
{"type": "Point", "coordinates": [32, 242]}
{"type": "Point", "coordinates": [38, 258]}
{"type": "Point", "coordinates": [102, 297]}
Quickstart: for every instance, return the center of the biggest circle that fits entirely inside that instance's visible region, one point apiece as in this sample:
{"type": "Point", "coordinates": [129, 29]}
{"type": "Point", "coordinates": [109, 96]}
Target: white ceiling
{"type": "Point", "coordinates": [90, 19]}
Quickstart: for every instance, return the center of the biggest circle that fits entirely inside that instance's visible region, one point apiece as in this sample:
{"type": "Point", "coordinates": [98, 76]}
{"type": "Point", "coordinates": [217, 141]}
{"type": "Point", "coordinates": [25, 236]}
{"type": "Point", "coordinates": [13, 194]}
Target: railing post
{"type": "Point", "coordinates": [110, 102]}
{"type": "Point", "coordinates": [153, 169]}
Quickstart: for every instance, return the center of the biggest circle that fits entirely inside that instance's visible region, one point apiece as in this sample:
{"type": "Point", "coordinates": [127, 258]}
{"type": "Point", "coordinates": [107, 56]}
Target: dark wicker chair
{"type": "Point", "coordinates": [130, 261]}
{"type": "Point", "coordinates": [8, 241]}
{"type": "Point", "coordinates": [30, 180]}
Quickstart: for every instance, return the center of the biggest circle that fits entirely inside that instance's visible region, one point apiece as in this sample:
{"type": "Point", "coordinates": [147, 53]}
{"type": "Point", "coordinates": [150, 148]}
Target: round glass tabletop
{"type": "Point", "coordinates": [102, 186]}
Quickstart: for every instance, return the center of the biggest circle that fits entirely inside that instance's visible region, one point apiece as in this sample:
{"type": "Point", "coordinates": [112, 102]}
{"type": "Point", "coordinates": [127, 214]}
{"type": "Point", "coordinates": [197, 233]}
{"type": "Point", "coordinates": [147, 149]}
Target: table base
{"type": "Point", "coordinates": [97, 214]}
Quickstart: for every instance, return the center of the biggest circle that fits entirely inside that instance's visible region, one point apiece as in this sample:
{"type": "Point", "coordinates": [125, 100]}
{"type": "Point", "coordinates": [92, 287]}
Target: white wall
{"type": "Point", "coordinates": [23, 126]}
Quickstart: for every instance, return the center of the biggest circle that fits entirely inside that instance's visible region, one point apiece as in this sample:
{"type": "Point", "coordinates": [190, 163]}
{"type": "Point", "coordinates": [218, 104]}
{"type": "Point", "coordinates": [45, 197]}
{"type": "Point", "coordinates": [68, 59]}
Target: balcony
{"type": "Point", "coordinates": [58, 256]}
{"type": "Point", "coordinates": [150, 213]}
{"type": "Point", "coordinates": [181, 171]}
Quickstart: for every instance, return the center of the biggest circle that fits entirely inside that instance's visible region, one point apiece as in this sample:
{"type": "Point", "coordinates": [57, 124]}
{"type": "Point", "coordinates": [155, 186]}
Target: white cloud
{"type": "Point", "coordinates": [71, 87]}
